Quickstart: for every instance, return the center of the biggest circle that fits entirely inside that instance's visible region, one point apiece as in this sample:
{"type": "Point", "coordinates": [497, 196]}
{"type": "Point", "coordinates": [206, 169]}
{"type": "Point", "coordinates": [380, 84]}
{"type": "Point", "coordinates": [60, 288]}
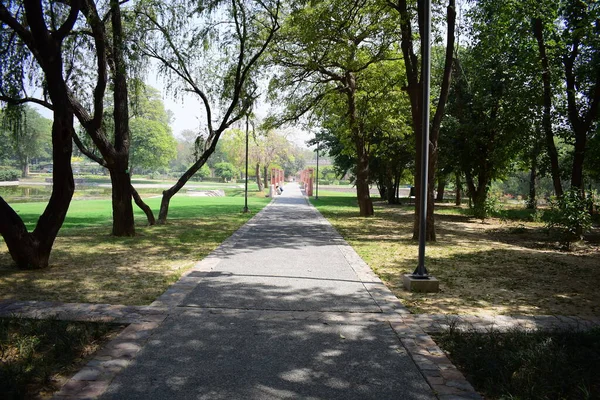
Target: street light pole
{"type": "Point", "coordinates": [246, 187]}
{"type": "Point", "coordinates": [317, 194]}
{"type": "Point", "coordinates": [421, 271]}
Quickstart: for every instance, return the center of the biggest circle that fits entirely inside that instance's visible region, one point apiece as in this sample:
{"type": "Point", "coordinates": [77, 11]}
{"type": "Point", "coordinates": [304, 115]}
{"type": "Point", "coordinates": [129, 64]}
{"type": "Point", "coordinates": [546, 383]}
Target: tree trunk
{"type": "Point", "coordinates": [440, 189]}
{"type": "Point", "coordinates": [266, 176]}
{"type": "Point", "coordinates": [32, 250]}
{"type": "Point", "coordinates": [123, 221]}
{"type": "Point", "coordinates": [414, 92]}
{"type": "Point", "coordinates": [140, 203]}
{"type": "Point", "coordinates": [25, 168]}
{"type": "Point", "coordinates": [458, 185]}
{"type": "Point", "coordinates": [363, 195]}
{"type": "Point", "coordinates": [365, 204]}
{"type": "Point", "coordinates": [547, 100]}
{"type": "Point", "coordinates": [259, 181]}
{"type": "Point", "coordinates": [532, 201]}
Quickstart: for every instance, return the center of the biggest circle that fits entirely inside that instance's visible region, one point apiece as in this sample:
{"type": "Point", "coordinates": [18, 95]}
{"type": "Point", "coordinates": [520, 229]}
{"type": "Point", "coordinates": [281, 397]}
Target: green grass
{"type": "Point", "coordinates": [90, 213]}
{"type": "Point", "coordinates": [88, 265]}
{"type": "Point", "coordinates": [527, 365]}
{"type": "Point", "coordinates": [38, 355]}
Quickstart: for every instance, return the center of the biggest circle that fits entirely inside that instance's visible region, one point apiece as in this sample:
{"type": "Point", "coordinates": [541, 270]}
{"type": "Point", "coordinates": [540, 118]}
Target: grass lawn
{"type": "Point", "coordinates": [502, 266]}
{"type": "Point", "coordinates": [89, 265]}
{"type": "Point", "coordinates": [38, 356]}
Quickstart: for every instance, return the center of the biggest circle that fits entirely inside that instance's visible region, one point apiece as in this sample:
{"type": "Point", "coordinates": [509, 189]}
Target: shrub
{"type": "Point", "coordinates": [488, 207]}
{"type": "Point", "coordinates": [569, 217]}
{"type": "Point", "coordinates": [527, 365]}
{"type": "Point", "coordinates": [9, 174]}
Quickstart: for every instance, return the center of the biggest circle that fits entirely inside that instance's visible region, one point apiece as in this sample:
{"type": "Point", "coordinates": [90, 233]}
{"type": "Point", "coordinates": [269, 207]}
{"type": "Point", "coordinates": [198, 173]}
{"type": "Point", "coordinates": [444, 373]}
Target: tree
{"type": "Point", "coordinates": [152, 145]}
{"type": "Point", "coordinates": [324, 50]}
{"type": "Point", "coordinates": [30, 138]}
{"type": "Point", "coordinates": [29, 36]}
{"type": "Point", "coordinates": [97, 46]}
{"type": "Point", "coordinates": [225, 170]}
{"type": "Point", "coordinates": [185, 44]}
{"type": "Point", "coordinates": [414, 78]}
{"type": "Point", "coordinates": [581, 60]}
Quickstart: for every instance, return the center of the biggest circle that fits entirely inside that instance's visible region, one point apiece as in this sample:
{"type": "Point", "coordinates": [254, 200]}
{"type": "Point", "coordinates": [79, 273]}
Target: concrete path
{"type": "Point", "coordinates": [250, 327]}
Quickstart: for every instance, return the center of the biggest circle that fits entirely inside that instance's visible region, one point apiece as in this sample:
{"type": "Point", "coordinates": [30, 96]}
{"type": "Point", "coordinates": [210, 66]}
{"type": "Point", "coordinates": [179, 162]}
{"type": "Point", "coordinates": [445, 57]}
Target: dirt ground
{"type": "Point", "coordinates": [496, 267]}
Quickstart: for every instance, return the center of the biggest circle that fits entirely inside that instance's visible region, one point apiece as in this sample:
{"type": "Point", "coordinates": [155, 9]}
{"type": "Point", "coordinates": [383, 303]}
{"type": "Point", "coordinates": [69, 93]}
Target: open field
{"type": "Point", "coordinates": [502, 266]}
{"type": "Point", "coordinates": [89, 265]}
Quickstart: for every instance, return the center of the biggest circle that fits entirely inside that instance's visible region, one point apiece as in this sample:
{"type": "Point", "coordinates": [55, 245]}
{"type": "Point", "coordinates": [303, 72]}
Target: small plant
{"type": "Point", "coordinates": [537, 215]}
{"type": "Point", "coordinates": [569, 217]}
{"type": "Point", "coordinates": [487, 208]}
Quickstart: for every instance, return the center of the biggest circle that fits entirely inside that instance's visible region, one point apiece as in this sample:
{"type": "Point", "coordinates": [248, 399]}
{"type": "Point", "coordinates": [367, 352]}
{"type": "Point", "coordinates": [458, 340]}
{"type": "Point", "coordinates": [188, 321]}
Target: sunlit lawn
{"type": "Point", "coordinates": [500, 266]}
{"type": "Point", "coordinates": [90, 265]}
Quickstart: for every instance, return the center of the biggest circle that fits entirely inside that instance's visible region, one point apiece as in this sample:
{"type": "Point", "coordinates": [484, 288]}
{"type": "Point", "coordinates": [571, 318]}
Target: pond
{"type": "Point", "coordinates": [36, 193]}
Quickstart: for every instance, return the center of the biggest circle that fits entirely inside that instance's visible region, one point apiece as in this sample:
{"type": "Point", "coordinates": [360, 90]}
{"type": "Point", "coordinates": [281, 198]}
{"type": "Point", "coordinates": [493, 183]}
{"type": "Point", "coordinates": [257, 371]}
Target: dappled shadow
{"type": "Point", "coordinates": [280, 292]}
{"type": "Point", "coordinates": [516, 282]}
{"type": "Point", "coordinates": [224, 354]}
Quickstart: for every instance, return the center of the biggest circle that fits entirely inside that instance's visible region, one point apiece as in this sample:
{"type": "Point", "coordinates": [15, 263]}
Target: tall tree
{"type": "Point", "coordinates": [325, 49]}
{"type": "Point", "coordinates": [214, 52]}
{"type": "Point", "coordinates": [581, 59]}
{"type": "Point", "coordinates": [407, 12]}
{"type": "Point", "coordinates": [30, 138]}
{"type": "Point", "coordinates": [29, 33]}
{"type": "Point", "coordinates": [542, 24]}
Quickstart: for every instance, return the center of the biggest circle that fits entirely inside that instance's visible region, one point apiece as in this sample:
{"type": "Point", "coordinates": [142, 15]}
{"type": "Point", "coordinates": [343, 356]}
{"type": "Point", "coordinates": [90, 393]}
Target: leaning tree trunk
{"type": "Point", "coordinates": [32, 250]}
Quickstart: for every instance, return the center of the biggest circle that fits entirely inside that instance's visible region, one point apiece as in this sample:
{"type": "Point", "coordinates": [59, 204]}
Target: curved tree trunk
{"type": "Point", "coordinates": [32, 250]}
{"type": "Point", "coordinates": [140, 203]}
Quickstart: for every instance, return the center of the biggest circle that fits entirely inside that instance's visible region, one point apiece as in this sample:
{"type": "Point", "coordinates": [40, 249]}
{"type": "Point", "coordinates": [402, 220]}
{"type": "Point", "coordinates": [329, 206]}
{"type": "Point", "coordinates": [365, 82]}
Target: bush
{"type": "Point", "coordinates": [489, 207]}
{"type": "Point", "coordinates": [9, 174]}
{"type": "Point", "coordinates": [527, 365]}
{"type": "Point", "coordinates": [569, 217]}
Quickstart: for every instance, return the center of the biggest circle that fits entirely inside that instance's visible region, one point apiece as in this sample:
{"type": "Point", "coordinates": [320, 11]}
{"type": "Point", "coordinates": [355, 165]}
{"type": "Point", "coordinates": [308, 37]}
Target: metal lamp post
{"type": "Point", "coordinates": [246, 186]}
{"type": "Point", "coordinates": [421, 271]}
{"type": "Point", "coordinates": [317, 193]}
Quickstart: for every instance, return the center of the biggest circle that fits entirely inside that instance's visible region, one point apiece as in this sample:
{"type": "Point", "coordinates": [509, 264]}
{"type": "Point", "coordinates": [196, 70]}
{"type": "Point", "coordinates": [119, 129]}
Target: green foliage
{"type": "Point", "coordinates": [29, 134]}
{"type": "Point", "coordinates": [152, 144]}
{"type": "Point", "coordinates": [527, 365]}
{"type": "Point", "coordinates": [32, 351]}
{"type": "Point", "coordinates": [225, 170]}
{"type": "Point", "coordinates": [569, 217]}
{"type": "Point", "coordinates": [487, 208]}
{"type": "Point", "coordinates": [9, 174]}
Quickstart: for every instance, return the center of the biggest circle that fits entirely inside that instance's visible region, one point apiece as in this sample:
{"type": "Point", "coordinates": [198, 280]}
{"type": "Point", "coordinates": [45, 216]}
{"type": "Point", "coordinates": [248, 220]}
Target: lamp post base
{"type": "Point", "coordinates": [419, 284]}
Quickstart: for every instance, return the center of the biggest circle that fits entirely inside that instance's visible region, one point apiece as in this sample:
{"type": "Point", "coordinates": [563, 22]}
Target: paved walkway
{"type": "Point", "coordinates": [284, 308]}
